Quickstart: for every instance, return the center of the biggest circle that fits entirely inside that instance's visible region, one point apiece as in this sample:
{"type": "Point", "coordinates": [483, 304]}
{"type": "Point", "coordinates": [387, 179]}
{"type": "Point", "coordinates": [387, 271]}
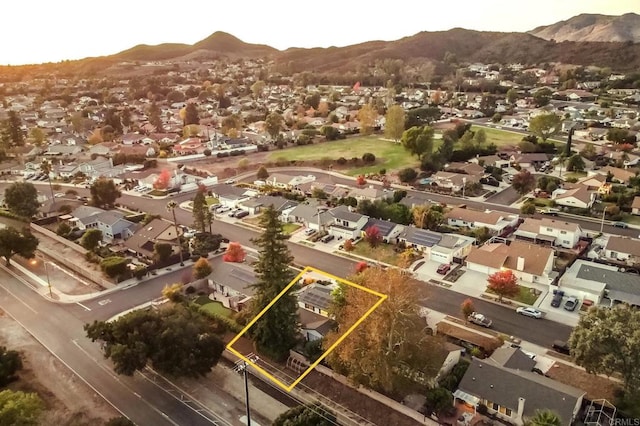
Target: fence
{"type": "Point", "coordinates": [60, 257]}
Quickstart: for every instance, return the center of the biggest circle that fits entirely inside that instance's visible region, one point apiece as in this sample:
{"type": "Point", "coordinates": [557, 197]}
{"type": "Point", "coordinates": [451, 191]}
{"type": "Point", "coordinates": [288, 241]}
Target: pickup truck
{"type": "Point", "coordinates": [479, 319]}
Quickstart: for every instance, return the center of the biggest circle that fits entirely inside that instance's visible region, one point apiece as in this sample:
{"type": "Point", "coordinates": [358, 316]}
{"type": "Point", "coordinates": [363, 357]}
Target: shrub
{"type": "Point", "coordinates": [207, 152]}
{"type": "Point", "coordinates": [114, 266]}
{"type": "Point", "coordinates": [341, 161]}
{"type": "Point", "coordinates": [407, 175]}
{"type": "Point", "coordinates": [368, 157]}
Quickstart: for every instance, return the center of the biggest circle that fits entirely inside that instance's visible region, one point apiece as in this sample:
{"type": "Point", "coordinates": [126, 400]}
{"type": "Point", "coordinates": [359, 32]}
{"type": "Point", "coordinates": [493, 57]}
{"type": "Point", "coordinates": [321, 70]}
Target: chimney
{"type": "Point", "coordinates": [520, 408]}
{"type": "Point", "coordinates": [520, 264]}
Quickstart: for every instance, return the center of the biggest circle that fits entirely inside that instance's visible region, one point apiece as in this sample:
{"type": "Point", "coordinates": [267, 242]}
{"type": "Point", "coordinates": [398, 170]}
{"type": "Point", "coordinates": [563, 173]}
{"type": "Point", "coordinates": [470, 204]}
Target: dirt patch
{"type": "Point", "coordinates": [596, 387]}
{"type": "Point", "coordinates": [69, 401]}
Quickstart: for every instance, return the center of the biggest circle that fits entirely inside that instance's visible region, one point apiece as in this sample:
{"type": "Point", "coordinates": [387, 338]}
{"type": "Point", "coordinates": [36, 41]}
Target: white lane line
{"type": "Point", "coordinates": [80, 304]}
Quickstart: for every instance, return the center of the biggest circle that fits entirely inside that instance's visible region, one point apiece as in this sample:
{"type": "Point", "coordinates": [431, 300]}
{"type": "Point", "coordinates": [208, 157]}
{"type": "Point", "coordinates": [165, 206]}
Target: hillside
{"type": "Point", "coordinates": [593, 27]}
{"type": "Point", "coordinates": [218, 43]}
{"type": "Point", "coordinates": [468, 46]}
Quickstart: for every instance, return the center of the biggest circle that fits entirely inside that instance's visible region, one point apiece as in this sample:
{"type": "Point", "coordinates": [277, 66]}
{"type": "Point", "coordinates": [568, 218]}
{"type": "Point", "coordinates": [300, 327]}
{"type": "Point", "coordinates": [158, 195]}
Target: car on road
{"type": "Point", "coordinates": [529, 312]}
{"type": "Point", "coordinates": [571, 304]}
{"type": "Point", "coordinates": [479, 319]}
{"type": "Point", "coordinates": [620, 225]}
{"type": "Point", "coordinates": [557, 298]}
{"type": "Point", "coordinates": [230, 181]}
{"type": "Point", "coordinates": [443, 269]}
{"type": "Point", "coordinates": [58, 195]}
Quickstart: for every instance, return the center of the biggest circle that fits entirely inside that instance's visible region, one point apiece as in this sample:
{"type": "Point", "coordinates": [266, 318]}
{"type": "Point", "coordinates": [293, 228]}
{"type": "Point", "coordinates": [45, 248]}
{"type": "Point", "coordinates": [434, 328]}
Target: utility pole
{"type": "Point", "coordinates": [241, 367]}
{"type": "Point", "coordinates": [171, 205]}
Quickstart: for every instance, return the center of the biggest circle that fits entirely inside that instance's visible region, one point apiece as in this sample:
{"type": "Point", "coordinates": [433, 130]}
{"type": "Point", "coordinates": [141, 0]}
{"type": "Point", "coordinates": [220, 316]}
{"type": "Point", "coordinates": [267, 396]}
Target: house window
{"type": "Point", "coordinates": [549, 230]}
{"type": "Point", "coordinates": [563, 232]}
{"type": "Point", "coordinates": [495, 406]}
{"type": "Point", "coordinates": [507, 412]}
{"type": "Point", "coordinates": [614, 254]}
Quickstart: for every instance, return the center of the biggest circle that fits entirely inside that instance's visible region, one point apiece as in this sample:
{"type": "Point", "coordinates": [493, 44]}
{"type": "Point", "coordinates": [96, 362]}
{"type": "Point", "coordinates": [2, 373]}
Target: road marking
{"type": "Point", "coordinates": [80, 304]}
{"type": "Point", "coordinates": [104, 302]}
{"type": "Point", "coordinates": [16, 297]}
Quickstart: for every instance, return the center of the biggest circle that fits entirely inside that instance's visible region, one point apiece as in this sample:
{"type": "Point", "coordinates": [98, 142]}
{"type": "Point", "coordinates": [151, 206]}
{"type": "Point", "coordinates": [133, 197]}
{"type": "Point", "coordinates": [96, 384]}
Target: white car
{"type": "Point", "coordinates": [230, 181]}
{"type": "Point", "coordinates": [58, 195]}
{"type": "Point", "coordinates": [529, 312]}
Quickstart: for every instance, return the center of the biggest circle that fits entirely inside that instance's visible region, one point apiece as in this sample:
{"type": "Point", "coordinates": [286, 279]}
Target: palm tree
{"type": "Point", "coordinates": [171, 206]}
{"type": "Point", "coordinates": [45, 167]}
{"type": "Point", "coordinates": [544, 418]}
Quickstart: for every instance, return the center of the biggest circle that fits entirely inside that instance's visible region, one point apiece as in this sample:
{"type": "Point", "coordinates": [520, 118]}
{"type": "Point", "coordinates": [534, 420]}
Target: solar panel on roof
{"type": "Point", "coordinates": [425, 238]}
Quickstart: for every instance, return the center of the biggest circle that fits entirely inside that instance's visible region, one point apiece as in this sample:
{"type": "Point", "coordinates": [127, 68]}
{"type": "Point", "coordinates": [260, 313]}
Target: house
{"type": "Point", "coordinates": [231, 283]}
{"type": "Point", "coordinates": [467, 338]}
{"type": "Point", "coordinates": [346, 224]}
{"type": "Point", "coordinates": [279, 180]}
{"type": "Point", "coordinates": [316, 297]}
{"type": "Point", "coordinates": [442, 248]}
{"type": "Point", "coordinates": [314, 326]}
{"type": "Point", "coordinates": [491, 160]}
{"type": "Point", "coordinates": [635, 206]}
{"type": "Point", "coordinates": [254, 206]}
{"type": "Point", "coordinates": [370, 193]}
{"type": "Point", "coordinates": [513, 394]}
{"type": "Point", "coordinates": [623, 248]}
{"type": "Point", "coordinates": [579, 197]}
{"type": "Point", "coordinates": [314, 217]}
{"type": "Point", "coordinates": [64, 150]}
{"type": "Point", "coordinates": [601, 284]}
{"type": "Point", "coordinates": [549, 231]}
{"type": "Point", "coordinates": [465, 168]}
{"type": "Point", "coordinates": [111, 223]}
{"type": "Point", "coordinates": [453, 181]}
{"type": "Point", "coordinates": [618, 174]}
{"type": "Point", "coordinates": [144, 239]}
{"type": "Point", "coordinates": [529, 159]}
{"type": "Point", "coordinates": [493, 220]}
{"type": "Point", "coordinates": [529, 262]}
{"type": "Point", "coordinates": [388, 230]}
{"type": "Point", "coordinates": [229, 195]}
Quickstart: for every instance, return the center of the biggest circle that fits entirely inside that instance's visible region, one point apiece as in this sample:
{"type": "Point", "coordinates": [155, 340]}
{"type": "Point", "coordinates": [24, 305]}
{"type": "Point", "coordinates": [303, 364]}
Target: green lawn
{"type": "Point", "coordinates": [211, 200]}
{"type": "Point", "coordinates": [524, 296]}
{"type": "Point", "coordinates": [500, 137]}
{"type": "Point", "coordinates": [382, 253]}
{"type": "Point", "coordinates": [216, 308]}
{"type": "Point", "coordinates": [290, 228]}
{"type": "Point", "coordinates": [389, 155]}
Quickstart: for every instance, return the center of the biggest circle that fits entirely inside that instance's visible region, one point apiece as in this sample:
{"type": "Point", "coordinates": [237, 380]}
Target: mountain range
{"type": "Point", "coordinates": [587, 39]}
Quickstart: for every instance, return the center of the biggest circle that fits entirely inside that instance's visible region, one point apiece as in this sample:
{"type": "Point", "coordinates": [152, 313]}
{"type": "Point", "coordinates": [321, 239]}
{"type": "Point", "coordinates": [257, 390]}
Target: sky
{"type": "Point", "coordinates": [36, 31]}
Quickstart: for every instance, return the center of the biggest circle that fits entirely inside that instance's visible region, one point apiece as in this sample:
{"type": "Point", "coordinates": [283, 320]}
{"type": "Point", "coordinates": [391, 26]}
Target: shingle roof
{"type": "Point", "coordinates": [620, 286]}
{"type": "Point", "coordinates": [343, 213]}
{"type": "Point", "coordinates": [476, 216]}
{"type": "Point", "coordinates": [505, 386]}
{"type": "Point", "coordinates": [624, 245]}
{"type": "Point", "coordinates": [236, 276]}
{"type": "Point", "coordinates": [512, 358]}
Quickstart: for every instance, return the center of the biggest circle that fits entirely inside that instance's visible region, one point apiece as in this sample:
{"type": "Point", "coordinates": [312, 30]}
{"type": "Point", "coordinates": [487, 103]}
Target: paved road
{"type": "Point", "coordinates": [55, 327]}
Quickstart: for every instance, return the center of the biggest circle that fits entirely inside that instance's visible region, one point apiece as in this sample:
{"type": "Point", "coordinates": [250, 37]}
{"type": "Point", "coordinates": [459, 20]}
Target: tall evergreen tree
{"type": "Point", "coordinates": [154, 117]}
{"type": "Point", "coordinates": [275, 332]}
{"type": "Point", "coordinates": [191, 114]}
{"type": "Point", "coordinates": [199, 211]}
{"type": "Point", "coordinates": [13, 129]}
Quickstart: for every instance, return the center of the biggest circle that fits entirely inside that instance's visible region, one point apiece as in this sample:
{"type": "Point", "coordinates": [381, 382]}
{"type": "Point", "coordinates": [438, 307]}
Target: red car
{"type": "Point", "coordinates": [443, 269]}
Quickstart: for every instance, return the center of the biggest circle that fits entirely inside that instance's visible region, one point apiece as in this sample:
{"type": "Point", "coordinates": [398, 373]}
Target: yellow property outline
{"type": "Point", "coordinates": [382, 298]}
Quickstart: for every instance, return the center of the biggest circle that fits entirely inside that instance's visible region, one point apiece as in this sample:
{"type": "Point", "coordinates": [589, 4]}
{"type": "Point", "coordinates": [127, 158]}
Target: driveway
{"type": "Point", "coordinates": [506, 197]}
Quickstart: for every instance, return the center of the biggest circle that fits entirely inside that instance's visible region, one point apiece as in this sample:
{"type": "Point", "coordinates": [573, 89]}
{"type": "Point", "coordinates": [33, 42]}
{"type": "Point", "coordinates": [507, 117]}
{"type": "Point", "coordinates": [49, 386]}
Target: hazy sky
{"type": "Point", "coordinates": [33, 31]}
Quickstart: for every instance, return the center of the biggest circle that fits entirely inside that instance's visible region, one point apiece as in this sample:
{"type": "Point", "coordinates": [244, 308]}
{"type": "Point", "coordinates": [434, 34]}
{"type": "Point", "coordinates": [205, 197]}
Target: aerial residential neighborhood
{"type": "Point", "coordinates": [387, 233]}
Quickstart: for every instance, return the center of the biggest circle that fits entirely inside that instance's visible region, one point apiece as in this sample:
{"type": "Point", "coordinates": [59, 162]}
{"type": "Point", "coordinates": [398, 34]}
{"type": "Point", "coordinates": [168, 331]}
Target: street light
{"type": "Point", "coordinates": [46, 271]}
{"type": "Point", "coordinates": [241, 366]}
{"type": "Point", "coordinates": [171, 206]}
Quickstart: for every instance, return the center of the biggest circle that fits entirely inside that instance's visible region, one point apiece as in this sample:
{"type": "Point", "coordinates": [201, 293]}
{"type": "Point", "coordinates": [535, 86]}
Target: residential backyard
{"type": "Point", "coordinates": [389, 155]}
{"type": "Point", "coordinates": [213, 307]}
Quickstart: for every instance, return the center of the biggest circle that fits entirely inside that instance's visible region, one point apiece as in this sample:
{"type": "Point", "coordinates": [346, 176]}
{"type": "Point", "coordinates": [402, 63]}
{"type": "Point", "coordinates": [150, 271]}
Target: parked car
{"type": "Point", "coordinates": [309, 231]}
{"type": "Point", "coordinates": [215, 207]}
{"type": "Point", "coordinates": [529, 312]}
{"type": "Point", "coordinates": [443, 269]}
{"type": "Point", "coordinates": [571, 304]}
{"type": "Point", "coordinates": [223, 209]}
{"type": "Point", "coordinates": [241, 214]}
{"type": "Point", "coordinates": [561, 346]}
{"type": "Point", "coordinates": [621, 225]}
{"type": "Point", "coordinates": [550, 212]}
{"type": "Point", "coordinates": [328, 238]}
{"type": "Point", "coordinates": [58, 195]}
{"type": "Point", "coordinates": [557, 298]}
{"type": "Point", "coordinates": [234, 212]}
{"type": "Point", "coordinates": [479, 319]}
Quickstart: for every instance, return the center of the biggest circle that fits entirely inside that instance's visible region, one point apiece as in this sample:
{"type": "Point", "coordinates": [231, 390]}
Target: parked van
{"type": "Point", "coordinates": [561, 347]}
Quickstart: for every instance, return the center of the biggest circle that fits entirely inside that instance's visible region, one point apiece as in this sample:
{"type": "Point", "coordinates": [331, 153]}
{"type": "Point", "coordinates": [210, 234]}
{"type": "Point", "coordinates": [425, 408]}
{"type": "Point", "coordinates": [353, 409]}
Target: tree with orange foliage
{"type": "Point", "coordinates": [163, 179]}
{"type": "Point", "coordinates": [360, 181]}
{"type": "Point", "coordinates": [361, 266]}
{"type": "Point", "coordinates": [235, 253]}
{"type": "Point", "coordinates": [503, 283]}
{"type": "Point", "coordinates": [467, 308]}
{"type": "Point", "coordinates": [348, 245]}
{"type": "Point", "coordinates": [390, 345]}
{"type": "Point", "coordinates": [372, 236]}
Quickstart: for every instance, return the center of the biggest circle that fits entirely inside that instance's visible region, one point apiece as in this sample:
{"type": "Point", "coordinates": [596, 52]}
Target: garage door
{"type": "Point", "coordinates": [478, 268]}
{"type": "Point", "coordinates": [439, 257]}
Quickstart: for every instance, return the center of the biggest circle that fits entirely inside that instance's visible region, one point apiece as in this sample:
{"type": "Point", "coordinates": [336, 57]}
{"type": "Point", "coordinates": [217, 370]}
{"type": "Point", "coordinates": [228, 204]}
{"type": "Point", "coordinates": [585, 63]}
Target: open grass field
{"type": "Point", "coordinates": [500, 137]}
{"type": "Point", "coordinates": [389, 155]}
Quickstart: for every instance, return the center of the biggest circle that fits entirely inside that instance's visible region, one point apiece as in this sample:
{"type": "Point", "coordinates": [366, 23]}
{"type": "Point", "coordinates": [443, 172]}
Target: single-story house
{"type": "Point", "coordinates": [254, 206]}
{"type": "Point", "coordinates": [144, 239]}
{"type": "Point", "coordinates": [494, 220]}
{"type": "Point", "coordinates": [389, 231]}
{"type": "Point", "coordinates": [529, 159]}
{"type": "Point", "coordinates": [231, 284]}
{"type": "Point", "coordinates": [465, 168]}
{"type": "Point", "coordinates": [314, 217]}
{"type": "Point", "coordinates": [623, 248]}
{"type": "Point", "coordinates": [229, 195]}
{"type": "Point", "coordinates": [514, 394]}
{"type": "Point", "coordinates": [529, 262]}
{"type": "Point", "coordinates": [453, 181]}
{"type": "Point", "coordinates": [579, 197]}
{"type": "Point", "coordinates": [601, 283]}
{"type": "Point", "coordinates": [370, 193]}
{"type": "Point", "coordinates": [111, 223]}
{"type": "Point", "coordinates": [442, 248]}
